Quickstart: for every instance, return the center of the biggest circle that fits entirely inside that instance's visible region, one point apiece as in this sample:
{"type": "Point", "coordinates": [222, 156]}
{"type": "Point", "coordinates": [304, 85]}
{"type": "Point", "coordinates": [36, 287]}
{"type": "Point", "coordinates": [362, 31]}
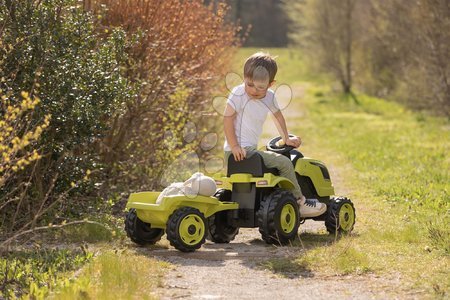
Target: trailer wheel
{"type": "Point", "coordinates": [140, 232]}
{"type": "Point", "coordinates": [186, 229]}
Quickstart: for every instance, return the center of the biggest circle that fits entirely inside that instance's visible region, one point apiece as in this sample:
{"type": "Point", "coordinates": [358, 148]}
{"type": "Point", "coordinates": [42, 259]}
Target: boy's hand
{"type": "Point", "coordinates": [239, 153]}
{"type": "Point", "coordinates": [294, 141]}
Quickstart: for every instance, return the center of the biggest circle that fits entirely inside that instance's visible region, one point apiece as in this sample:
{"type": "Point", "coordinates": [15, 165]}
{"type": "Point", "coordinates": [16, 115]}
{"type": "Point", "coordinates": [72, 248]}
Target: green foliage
{"type": "Point", "coordinates": [36, 273]}
{"type": "Point", "coordinates": [53, 50]}
{"type": "Point", "coordinates": [54, 45]}
{"type": "Point", "coordinates": [352, 261]}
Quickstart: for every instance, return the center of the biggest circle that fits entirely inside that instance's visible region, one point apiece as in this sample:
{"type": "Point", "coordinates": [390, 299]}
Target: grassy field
{"type": "Point", "coordinates": [395, 166]}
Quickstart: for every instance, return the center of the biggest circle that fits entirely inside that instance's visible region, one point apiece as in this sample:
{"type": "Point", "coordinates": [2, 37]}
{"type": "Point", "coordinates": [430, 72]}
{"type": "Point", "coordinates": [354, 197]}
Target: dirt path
{"type": "Point", "coordinates": [235, 270]}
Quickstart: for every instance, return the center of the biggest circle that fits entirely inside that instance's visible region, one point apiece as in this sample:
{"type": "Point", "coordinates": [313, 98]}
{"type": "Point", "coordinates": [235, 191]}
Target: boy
{"type": "Point", "coordinates": [245, 113]}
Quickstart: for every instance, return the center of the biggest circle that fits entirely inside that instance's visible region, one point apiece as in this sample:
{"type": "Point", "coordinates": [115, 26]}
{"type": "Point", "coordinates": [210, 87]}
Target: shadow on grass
{"type": "Point", "coordinates": [288, 267]}
{"type": "Point", "coordinates": [296, 265]}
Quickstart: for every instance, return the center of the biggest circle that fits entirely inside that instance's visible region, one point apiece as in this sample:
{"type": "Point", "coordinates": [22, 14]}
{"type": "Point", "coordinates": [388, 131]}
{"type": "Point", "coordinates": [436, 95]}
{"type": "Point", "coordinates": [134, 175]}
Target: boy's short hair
{"type": "Point", "coordinates": [260, 65]}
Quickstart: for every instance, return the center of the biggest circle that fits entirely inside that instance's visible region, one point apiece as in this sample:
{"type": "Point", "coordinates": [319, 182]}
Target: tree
{"type": "Point", "coordinates": [419, 39]}
{"type": "Point", "coordinates": [395, 49]}
{"type": "Point", "coordinates": [329, 37]}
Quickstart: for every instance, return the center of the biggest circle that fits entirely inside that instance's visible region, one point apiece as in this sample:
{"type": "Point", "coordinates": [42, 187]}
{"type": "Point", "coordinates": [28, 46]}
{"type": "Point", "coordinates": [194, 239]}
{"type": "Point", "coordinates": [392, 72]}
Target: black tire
{"type": "Point", "coordinates": [140, 232]}
{"type": "Point", "coordinates": [340, 207]}
{"type": "Point", "coordinates": [219, 231]}
{"type": "Point", "coordinates": [273, 228]}
{"type": "Point", "coordinates": [186, 229]}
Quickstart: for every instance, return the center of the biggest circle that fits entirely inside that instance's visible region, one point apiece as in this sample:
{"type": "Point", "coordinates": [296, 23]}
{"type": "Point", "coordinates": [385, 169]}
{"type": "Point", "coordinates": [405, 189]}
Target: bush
{"type": "Point", "coordinates": [184, 48]}
{"type": "Point", "coordinates": [51, 49]}
{"type": "Point", "coordinates": [112, 94]}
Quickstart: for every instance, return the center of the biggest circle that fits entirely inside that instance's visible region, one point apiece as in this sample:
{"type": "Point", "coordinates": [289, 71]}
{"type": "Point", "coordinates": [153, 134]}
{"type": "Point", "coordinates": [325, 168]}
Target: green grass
{"type": "Point", "coordinates": [396, 168]}
{"type": "Point", "coordinates": [120, 275]}
{"type": "Point", "coordinates": [394, 165]}
{"type": "Point", "coordinates": [287, 267]}
{"type": "Point", "coordinates": [35, 273]}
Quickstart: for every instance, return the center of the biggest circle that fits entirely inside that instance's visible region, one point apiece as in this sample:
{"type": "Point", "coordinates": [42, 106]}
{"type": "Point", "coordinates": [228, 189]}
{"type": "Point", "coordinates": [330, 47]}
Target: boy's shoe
{"type": "Point", "coordinates": [311, 208]}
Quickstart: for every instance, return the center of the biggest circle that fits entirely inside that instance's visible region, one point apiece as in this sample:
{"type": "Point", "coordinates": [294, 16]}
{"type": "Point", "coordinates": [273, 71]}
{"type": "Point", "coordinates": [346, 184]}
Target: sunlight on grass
{"type": "Point", "coordinates": [398, 177]}
{"type": "Point", "coordinates": [118, 275]}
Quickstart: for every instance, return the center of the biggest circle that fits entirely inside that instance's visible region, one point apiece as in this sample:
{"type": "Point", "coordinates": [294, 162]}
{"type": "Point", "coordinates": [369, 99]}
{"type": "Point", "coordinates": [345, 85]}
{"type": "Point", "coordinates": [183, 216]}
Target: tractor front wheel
{"type": "Point", "coordinates": [278, 217]}
{"type": "Point", "coordinates": [140, 232]}
{"type": "Point", "coordinates": [341, 216]}
{"type": "Point", "coordinates": [186, 229]}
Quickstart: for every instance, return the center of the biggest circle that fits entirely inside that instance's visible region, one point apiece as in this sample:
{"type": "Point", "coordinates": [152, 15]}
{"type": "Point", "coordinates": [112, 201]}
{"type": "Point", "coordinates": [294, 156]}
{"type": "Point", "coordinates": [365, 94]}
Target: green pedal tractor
{"type": "Point", "coordinates": [250, 195]}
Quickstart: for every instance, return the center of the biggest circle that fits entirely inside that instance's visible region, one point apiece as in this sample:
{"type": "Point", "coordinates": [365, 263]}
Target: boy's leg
{"type": "Point", "coordinates": [285, 166]}
{"type": "Point", "coordinates": [308, 208]}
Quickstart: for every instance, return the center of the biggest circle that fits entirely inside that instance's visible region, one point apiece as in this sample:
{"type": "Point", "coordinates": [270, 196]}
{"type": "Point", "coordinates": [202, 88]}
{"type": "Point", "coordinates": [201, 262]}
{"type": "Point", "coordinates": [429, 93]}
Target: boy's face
{"type": "Point", "coordinates": [257, 89]}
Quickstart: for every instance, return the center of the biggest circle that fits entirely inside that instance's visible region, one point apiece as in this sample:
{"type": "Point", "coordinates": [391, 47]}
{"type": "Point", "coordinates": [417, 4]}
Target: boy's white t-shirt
{"type": "Point", "coordinates": [250, 115]}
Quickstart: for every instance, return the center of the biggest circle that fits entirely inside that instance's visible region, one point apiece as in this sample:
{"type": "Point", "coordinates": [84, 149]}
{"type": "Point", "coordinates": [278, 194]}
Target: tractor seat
{"type": "Point", "coordinates": [294, 156]}
{"type": "Point", "coordinates": [253, 164]}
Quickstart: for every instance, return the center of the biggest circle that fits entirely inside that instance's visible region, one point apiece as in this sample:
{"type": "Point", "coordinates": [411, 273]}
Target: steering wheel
{"type": "Point", "coordinates": [277, 145]}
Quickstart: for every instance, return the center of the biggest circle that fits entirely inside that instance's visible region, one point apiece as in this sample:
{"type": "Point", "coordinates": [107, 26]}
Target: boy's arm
{"type": "Point", "coordinates": [280, 123]}
{"type": "Point", "coordinates": [228, 127]}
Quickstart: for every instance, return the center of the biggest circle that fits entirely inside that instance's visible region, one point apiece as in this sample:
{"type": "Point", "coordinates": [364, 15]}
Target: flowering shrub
{"type": "Point", "coordinates": [15, 137]}
{"type": "Point", "coordinates": [52, 50]}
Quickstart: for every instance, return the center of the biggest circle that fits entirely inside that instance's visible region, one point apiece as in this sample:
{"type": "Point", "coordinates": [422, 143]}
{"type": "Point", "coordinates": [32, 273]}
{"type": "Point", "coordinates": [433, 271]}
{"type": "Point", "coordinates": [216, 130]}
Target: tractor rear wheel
{"type": "Point", "coordinates": [219, 230]}
{"type": "Point", "coordinates": [278, 217]}
{"type": "Point", "coordinates": [140, 232]}
{"type": "Point", "coordinates": [186, 229]}
{"type": "Point", "coordinates": [341, 216]}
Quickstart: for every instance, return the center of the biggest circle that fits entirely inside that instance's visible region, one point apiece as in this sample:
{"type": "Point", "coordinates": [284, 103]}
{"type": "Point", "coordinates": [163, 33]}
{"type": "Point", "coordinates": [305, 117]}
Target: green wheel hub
{"type": "Point", "coordinates": [186, 229]}
{"type": "Point", "coordinates": [341, 216]}
{"type": "Point", "coordinates": [346, 217]}
{"type": "Point", "coordinates": [192, 229]}
{"type": "Point", "coordinates": [288, 218]}
{"type": "Point", "coordinates": [278, 217]}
